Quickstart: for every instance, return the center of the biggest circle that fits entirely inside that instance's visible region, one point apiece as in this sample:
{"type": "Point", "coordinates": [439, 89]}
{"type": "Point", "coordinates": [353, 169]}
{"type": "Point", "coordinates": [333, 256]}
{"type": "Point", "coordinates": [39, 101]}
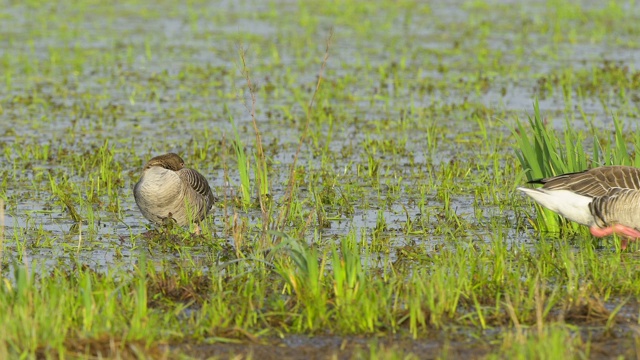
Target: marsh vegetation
{"type": "Point", "coordinates": [365, 156]}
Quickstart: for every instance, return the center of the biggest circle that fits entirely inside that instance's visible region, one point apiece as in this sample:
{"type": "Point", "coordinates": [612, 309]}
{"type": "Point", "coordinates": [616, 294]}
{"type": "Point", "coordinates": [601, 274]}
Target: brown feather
{"type": "Point", "coordinates": [595, 182]}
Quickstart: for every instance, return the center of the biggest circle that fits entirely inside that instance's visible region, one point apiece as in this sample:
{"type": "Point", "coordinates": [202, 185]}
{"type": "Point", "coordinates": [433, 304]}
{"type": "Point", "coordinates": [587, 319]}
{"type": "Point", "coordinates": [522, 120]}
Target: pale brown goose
{"type": "Point", "coordinates": [607, 199]}
{"type": "Point", "coordinates": [167, 189]}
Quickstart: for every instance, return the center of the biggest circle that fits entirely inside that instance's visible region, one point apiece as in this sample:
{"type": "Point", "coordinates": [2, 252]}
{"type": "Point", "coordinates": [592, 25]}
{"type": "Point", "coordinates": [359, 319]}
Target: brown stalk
{"type": "Point", "coordinates": [261, 157]}
{"type": "Point", "coordinates": [289, 194]}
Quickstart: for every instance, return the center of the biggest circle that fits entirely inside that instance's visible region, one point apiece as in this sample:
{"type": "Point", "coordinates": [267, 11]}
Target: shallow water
{"type": "Point", "coordinates": [168, 79]}
{"type": "Point", "coordinates": [409, 145]}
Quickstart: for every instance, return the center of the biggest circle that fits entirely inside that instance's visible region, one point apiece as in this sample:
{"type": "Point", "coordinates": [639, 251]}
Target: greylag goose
{"type": "Point", "coordinates": [167, 189]}
{"type": "Point", "coordinates": [606, 199]}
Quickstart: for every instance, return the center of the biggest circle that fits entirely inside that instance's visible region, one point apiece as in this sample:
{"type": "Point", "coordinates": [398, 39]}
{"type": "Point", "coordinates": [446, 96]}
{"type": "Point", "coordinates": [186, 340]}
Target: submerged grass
{"type": "Point", "coordinates": [368, 190]}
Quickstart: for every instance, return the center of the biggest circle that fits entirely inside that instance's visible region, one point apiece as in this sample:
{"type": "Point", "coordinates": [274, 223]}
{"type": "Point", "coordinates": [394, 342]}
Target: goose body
{"type": "Point", "coordinates": [167, 190]}
{"type": "Point", "coordinates": [607, 199]}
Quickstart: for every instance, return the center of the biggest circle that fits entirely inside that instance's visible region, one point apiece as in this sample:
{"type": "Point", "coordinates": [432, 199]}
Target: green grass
{"type": "Point", "coordinates": [474, 286]}
{"type": "Point", "coordinates": [363, 155]}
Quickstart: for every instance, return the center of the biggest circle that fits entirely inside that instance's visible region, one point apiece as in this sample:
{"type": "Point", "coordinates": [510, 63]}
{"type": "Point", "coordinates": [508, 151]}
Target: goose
{"type": "Point", "coordinates": [606, 199]}
{"type": "Point", "coordinates": [166, 190]}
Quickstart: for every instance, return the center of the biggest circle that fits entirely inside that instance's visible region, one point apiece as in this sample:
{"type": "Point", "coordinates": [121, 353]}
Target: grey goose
{"type": "Point", "coordinates": [169, 191]}
{"type": "Point", "coordinates": [606, 199]}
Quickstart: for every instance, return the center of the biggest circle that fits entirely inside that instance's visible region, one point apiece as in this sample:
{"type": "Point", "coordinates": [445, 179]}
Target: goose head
{"type": "Point", "coordinates": [168, 161]}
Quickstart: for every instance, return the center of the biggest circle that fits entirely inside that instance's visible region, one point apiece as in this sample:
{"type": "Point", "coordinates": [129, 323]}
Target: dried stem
{"type": "Point", "coordinates": [289, 194]}
{"type": "Point", "coordinates": [261, 157]}
{"type": "Point", "coordinates": [225, 176]}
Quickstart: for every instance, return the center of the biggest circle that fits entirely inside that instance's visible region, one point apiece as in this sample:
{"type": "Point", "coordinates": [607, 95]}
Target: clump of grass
{"type": "Point", "coordinates": [304, 273]}
{"type": "Point", "coordinates": [555, 342]}
{"type": "Point", "coordinates": [543, 153]}
{"type": "Point", "coordinates": [244, 168]}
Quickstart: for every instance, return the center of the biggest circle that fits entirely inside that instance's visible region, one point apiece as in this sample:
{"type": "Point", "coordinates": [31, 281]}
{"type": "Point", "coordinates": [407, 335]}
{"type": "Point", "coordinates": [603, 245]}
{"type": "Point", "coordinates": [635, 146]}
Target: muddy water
{"type": "Point", "coordinates": [168, 78]}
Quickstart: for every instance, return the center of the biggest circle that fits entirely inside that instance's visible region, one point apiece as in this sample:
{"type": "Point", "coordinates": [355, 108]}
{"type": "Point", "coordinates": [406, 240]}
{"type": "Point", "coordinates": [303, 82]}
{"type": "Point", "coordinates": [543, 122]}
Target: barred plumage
{"type": "Point", "coordinates": [594, 182]}
{"type": "Point", "coordinates": [616, 207]}
{"type": "Point", "coordinates": [607, 199]}
{"type": "Point", "coordinates": [197, 182]}
{"type": "Point", "coordinates": [168, 190]}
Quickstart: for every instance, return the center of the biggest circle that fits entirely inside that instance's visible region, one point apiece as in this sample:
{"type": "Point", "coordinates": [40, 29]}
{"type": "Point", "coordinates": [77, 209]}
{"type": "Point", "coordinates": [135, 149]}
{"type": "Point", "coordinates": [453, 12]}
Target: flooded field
{"type": "Point", "coordinates": [363, 154]}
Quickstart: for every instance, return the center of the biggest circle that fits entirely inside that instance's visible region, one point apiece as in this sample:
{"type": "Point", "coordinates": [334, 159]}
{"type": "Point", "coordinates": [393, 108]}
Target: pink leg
{"type": "Point", "coordinates": [601, 232]}
{"type": "Point", "coordinates": [625, 232]}
{"type": "Point", "coordinates": [623, 243]}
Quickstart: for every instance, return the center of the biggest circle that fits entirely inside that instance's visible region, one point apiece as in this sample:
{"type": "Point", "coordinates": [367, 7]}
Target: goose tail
{"type": "Point", "coordinates": [567, 203]}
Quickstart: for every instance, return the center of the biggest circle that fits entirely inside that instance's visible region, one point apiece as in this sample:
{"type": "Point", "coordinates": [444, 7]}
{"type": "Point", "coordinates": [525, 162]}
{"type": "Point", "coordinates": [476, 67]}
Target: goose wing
{"type": "Point", "coordinates": [198, 183]}
{"type": "Point", "coordinates": [595, 182]}
{"type": "Point", "coordinates": [617, 206]}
